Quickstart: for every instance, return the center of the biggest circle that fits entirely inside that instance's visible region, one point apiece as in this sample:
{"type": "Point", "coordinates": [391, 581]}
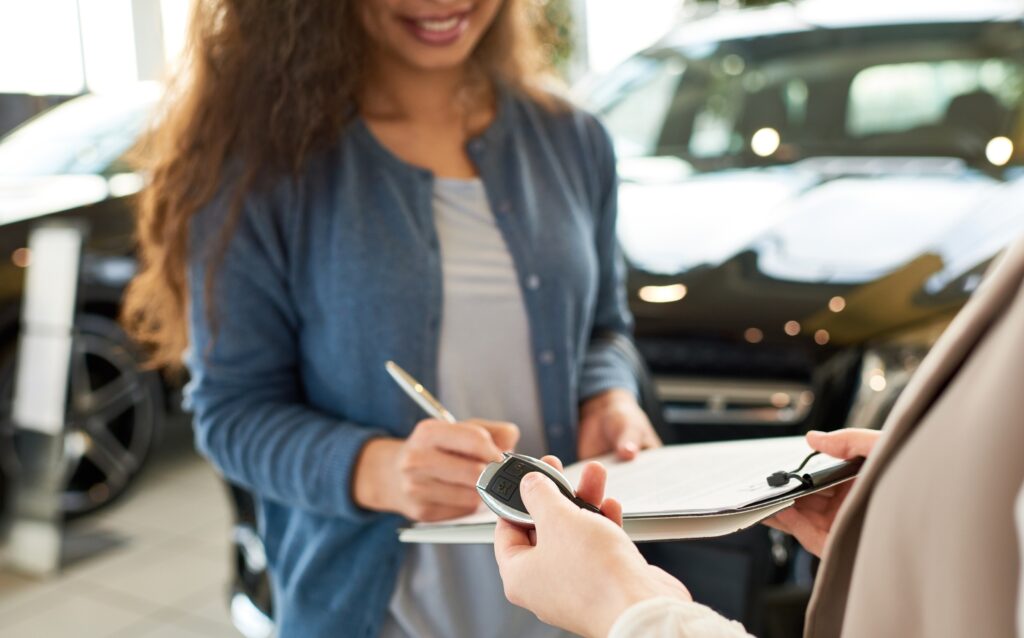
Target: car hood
{"type": "Point", "coordinates": [761, 247]}
{"type": "Point", "coordinates": [804, 227]}
{"type": "Point", "coordinates": [26, 198]}
{"type": "Point", "coordinates": [670, 228]}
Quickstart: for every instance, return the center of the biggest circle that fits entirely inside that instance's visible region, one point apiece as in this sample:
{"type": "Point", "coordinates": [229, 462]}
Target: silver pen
{"type": "Point", "coordinates": [418, 393]}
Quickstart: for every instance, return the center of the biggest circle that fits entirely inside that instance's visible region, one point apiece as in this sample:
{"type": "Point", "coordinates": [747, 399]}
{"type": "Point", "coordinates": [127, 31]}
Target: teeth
{"type": "Point", "coordinates": [438, 25]}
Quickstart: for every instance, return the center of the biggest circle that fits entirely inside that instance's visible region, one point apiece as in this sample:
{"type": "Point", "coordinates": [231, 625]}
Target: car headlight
{"type": "Point", "coordinates": [886, 370]}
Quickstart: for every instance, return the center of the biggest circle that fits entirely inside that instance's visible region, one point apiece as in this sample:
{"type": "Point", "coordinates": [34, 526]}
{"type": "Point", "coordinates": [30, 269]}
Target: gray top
{"type": "Point", "coordinates": [485, 369]}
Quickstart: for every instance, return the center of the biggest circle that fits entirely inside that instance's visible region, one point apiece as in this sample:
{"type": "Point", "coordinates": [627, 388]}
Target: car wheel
{"type": "Point", "coordinates": [115, 409]}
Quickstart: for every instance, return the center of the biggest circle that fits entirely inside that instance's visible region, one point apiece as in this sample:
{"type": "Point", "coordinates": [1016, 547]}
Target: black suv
{"type": "Point", "coordinates": [810, 192]}
{"type": "Point", "coordinates": [805, 203]}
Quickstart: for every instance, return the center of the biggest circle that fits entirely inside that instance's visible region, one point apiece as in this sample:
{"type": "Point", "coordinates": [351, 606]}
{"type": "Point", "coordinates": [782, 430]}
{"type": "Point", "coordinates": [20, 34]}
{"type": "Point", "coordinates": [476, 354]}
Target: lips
{"type": "Point", "coordinates": [438, 30]}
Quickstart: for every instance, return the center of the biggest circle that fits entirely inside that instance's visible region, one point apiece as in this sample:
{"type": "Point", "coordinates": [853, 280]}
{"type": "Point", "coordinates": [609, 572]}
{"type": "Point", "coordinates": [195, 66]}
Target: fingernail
{"type": "Point", "coordinates": [631, 447]}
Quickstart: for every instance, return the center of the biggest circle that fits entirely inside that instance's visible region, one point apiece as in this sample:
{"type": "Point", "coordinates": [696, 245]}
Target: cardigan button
{"type": "Point", "coordinates": [556, 429]}
{"type": "Point", "coordinates": [533, 282]}
{"type": "Point", "coordinates": [547, 357]}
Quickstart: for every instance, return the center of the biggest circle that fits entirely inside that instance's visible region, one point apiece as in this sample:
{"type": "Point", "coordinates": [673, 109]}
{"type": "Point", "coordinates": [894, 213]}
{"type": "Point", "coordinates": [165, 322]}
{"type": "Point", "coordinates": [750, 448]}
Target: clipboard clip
{"type": "Point", "coordinates": [812, 480]}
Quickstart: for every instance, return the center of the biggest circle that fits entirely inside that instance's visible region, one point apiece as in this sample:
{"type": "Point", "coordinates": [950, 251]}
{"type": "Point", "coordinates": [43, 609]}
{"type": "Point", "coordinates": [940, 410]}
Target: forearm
{"type": "Point", "coordinates": [606, 367]}
{"type": "Point", "coordinates": [287, 452]}
{"type": "Point", "coordinates": [605, 398]}
{"type": "Point", "coordinates": [374, 481]}
{"type": "Point", "coordinates": [608, 358]}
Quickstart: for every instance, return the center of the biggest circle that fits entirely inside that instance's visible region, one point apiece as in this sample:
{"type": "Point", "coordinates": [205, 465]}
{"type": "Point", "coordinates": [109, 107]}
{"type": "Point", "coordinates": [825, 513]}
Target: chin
{"type": "Point", "coordinates": [436, 60]}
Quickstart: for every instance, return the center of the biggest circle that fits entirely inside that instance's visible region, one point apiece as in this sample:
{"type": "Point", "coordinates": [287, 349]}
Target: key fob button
{"type": "Point", "coordinates": [503, 488]}
{"type": "Point", "coordinates": [518, 468]}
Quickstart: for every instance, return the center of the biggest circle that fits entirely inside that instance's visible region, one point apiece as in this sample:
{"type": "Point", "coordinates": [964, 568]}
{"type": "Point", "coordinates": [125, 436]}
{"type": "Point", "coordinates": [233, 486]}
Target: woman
{"type": "Point", "coordinates": [340, 183]}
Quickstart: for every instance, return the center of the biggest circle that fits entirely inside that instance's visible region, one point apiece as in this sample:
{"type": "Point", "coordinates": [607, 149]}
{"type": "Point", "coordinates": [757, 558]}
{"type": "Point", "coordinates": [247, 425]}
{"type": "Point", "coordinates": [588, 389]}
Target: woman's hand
{"type": "Point", "coordinates": [613, 421]}
{"type": "Point", "coordinates": [430, 476]}
{"type": "Point", "coordinates": [576, 570]}
{"type": "Point", "coordinates": [810, 518]}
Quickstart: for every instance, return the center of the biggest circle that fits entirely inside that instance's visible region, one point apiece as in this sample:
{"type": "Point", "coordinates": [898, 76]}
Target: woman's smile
{"type": "Point", "coordinates": [438, 30]}
{"type": "Point", "coordinates": [428, 35]}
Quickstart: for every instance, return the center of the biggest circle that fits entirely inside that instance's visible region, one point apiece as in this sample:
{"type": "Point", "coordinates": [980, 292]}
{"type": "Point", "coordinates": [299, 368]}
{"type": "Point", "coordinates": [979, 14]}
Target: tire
{"type": "Point", "coordinates": [115, 410]}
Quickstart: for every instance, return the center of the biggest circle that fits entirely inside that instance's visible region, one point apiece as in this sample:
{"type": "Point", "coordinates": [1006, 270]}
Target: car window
{"type": "Point", "coordinates": [890, 98]}
{"type": "Point", "coordinates": [637, 100]}
{"type": "Point", "coordinates": [916, 91]}
{"type": "Point", "coordinates": [714, 122]}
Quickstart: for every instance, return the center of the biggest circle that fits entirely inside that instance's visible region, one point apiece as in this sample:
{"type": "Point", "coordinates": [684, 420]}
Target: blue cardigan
{"type": "Point", "coordinates": [327, 277]}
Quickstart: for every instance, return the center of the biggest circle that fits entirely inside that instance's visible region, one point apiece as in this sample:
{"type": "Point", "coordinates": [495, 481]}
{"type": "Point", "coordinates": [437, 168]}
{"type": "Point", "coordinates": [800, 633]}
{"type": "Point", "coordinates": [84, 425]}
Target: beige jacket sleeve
{"type": "Point", "coordinates": [673, 618]}
{"type": "Point", "coordinates": [1020, 540]}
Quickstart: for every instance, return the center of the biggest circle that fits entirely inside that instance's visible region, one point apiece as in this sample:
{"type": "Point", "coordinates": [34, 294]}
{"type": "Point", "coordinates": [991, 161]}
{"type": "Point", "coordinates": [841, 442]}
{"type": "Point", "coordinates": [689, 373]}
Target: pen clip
{"type": "Point", "coordinates": [781, 478]}
{"type": "Point", "coordinates": [813, 480]}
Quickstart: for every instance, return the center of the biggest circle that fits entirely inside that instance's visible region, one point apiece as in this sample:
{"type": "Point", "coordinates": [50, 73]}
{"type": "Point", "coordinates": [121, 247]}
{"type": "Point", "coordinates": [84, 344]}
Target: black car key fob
{"type": "Point", "coordinates": [498, 486]}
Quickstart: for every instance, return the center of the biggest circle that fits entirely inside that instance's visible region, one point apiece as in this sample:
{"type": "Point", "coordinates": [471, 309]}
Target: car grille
{"type": "Point", "coordinates": [710, 358]}
{"type": "Point", "coordinates": [688, 400]}
{"type": "Point", "coordinates": [716, 383]}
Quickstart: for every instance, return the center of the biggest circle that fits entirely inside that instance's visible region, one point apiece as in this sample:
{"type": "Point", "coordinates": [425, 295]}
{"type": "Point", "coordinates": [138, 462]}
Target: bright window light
{"type": "Point", "coordinates": [616, 30]}
{"type": "Point", "coordinates": [174, 14]}
{"type": "Point", "coordinates": [109, 44]}
{"type": "Point", "coordinates": [40, 48]}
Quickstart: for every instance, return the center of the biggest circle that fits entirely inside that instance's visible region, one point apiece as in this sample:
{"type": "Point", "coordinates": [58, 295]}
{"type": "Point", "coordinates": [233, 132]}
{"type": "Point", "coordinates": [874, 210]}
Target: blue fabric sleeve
{"type": "Point", "coordinates": [604, 366]}
{"type": "Point", "coordinates": [251, 420]}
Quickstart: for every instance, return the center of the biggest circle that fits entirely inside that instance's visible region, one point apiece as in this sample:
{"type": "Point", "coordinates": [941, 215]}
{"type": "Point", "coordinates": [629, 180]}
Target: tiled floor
{"type": "Point", "coordinates": [166, 576]}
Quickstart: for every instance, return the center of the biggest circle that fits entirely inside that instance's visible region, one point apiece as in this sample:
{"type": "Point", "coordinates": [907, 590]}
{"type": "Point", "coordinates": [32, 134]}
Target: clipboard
{"type": "Point", "coordinates": [689, 491]}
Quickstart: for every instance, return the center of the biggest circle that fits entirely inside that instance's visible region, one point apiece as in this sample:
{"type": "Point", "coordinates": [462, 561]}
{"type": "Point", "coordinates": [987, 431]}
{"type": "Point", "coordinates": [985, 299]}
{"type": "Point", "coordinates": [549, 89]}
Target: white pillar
{"type": "Point", "coordinates": [148, 26]}
{"type": "Point", "coordinates": [40, 396]}
{"type": "Point", "coordinates": [580, 62]}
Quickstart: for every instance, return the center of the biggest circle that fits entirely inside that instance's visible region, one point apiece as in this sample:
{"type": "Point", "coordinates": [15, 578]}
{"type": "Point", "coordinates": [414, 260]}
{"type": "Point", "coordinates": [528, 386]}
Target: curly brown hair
{"type": "Point", "coordinates": [263, 85]}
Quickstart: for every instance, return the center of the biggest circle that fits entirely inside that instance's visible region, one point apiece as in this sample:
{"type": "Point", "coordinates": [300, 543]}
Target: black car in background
{"type": "Point", "coordinates": [15, 108]}
{"type": "Point", "coordinates": [809, 193]}
{"type": "Point", "coordinates": [806, 202]}
{"type": "Point", "coordinates": [69, 164]}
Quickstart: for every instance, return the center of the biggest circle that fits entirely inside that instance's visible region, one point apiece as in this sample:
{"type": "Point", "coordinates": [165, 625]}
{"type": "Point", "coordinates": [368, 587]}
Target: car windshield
{"type": "Point", "coordinates": [87, 135]}
{"type": "Point", "coordinates": [942, 90]}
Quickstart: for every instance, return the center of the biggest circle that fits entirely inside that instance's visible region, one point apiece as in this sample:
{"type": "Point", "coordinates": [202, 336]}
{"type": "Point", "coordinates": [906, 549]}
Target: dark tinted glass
{"type": "Point", "coordinates": [911, 90]}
